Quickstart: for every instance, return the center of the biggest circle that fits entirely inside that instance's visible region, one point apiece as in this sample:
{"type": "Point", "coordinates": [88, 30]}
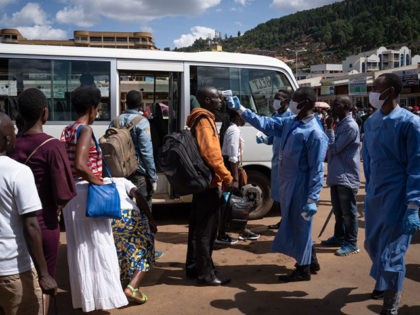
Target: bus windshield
{"type": "Point", "coordinates": [254, 87]}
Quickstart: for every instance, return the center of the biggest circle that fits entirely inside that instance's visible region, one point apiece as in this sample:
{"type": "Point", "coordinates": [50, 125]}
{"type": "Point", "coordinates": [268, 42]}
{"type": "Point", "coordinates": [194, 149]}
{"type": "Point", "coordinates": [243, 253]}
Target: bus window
{"type": "Point", "coordinates": [56, 79]}
{"type": "Point", "coordinates": [161, 99]}
{"type": "Point", "coordinates": [254, 87]}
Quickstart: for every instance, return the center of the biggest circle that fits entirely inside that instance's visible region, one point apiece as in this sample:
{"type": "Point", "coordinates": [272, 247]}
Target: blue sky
{"type": "Point", "coordinates": [173, 23]}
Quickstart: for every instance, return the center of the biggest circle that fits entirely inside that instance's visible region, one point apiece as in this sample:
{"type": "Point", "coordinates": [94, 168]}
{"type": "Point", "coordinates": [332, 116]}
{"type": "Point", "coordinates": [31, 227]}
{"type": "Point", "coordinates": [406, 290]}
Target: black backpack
{"type": "Point", "coordinates": [182, 164]}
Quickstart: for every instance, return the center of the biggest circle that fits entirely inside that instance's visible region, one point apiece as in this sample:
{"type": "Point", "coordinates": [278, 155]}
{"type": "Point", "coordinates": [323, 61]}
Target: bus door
{"type": "Point", "coordinates": [161, 104]}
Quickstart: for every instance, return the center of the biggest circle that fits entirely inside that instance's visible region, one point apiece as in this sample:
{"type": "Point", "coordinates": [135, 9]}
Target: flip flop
{"type": "Point", "coordinates": [134, 298]}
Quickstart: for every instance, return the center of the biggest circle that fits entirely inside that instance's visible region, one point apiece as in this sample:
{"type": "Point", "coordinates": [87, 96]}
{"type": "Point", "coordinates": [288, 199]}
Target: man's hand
{"type": "Point", "coordinates": [48, 284]}
{"type": "Point", "coordinates": [154, 186]}
{"type": "Point", "coordinates": [309, 210]}
{"type": "Point", "coordinates": [233, 103]}
{"type": "Point", "coordinates": [260, 139]}
{"type": "Point", "coordinates": [153, 226]}
{"type": "Point", "coordinates": [329, 121]}
{"type": "Point", "coordinates": [411, 221]}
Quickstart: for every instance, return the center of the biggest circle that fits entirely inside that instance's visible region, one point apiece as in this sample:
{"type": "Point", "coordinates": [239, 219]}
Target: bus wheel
{"type": "Point", "coordinates": [262, 181]}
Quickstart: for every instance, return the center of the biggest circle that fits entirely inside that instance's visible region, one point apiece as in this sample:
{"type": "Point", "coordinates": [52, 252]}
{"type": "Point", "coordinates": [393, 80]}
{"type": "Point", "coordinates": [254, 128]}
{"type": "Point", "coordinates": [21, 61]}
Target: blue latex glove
{"type": "Point", "coordinates": [309, 210]}
{"type": "Point", "coordinates": [411, 221]}
{"type": "Point", "coordinates": [260, 139]}
{"type": "Point", "coordinates": [233, 103]}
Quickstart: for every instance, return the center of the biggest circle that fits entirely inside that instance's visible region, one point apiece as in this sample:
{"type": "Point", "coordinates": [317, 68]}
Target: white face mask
{"type": "Point", "coordinates": [276, 104]}
{"type": "Point", "coordinates": [293, 107]}
{"type": "Point", "coordinates": [375, 101]}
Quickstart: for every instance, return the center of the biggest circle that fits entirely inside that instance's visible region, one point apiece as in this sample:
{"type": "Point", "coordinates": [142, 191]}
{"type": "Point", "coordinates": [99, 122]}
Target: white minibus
{"type": "Point", "coordinates": [168, 81]}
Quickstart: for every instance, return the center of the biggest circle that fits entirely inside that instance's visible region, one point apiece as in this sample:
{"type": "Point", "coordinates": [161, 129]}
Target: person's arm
{"type": "Point", "coordinates": [144, 141]}
{"type": "Point", "coordinates": [143, 206]}
{"type": "Point", "coordinates": [27, 203]}
{"type": "Point", "coordinates": [270, 126]}
{"type": "Point", "coordinates": [343, 139]}
{"type": "Point", "coordinates": [210, 151]}
{"type": "Point", "coordinates": [366, 164]}
{"type": "Point", "coordinates": [61, 179]}
{"type": "Point", "coordinates": [317, 148]}
{"type": "Point", "coordinates": [33, 239]}
{"type": "Point", "coordinates": [413, 164]}
{"type": "Point", "coordinates": [231, 144]}
{"type": "Point", "coordinates": [84, 142]}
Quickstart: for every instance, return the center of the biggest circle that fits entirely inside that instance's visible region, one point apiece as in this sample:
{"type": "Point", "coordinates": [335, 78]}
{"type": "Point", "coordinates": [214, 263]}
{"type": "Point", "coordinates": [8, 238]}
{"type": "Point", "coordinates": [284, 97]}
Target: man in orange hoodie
{"type": "Point", "coordinates": [206, 205]}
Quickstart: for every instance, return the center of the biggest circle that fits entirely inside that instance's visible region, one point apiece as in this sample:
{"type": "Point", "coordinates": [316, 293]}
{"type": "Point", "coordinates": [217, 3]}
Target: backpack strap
{"type": "Point", "coordinates": [36, 149]}
{"type": "Point", "coordinates": [133, 122]}
{"type": "Point", "coordinates": [196, 120]}
{"type": "Point", "coordinates": [129, 125]}
{"type": "Point", "coordinates": [116, 122]}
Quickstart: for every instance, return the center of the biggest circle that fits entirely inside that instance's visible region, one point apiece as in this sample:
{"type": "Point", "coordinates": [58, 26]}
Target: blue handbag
{"type": "Point", "coordinates": [103, 201]}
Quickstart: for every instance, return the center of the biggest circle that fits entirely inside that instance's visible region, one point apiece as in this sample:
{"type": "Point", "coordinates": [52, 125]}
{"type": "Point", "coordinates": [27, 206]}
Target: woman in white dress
{"type": "Point", "coordinates": [91, 254]}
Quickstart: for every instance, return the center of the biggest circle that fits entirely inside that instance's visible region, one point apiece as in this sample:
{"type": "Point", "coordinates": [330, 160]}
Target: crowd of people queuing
{"type": "Point", "coordinates": [40, 177]}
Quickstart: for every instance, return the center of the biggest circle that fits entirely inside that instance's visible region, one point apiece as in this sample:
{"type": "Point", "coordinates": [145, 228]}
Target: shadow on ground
{"type": "Point", "coordinates": [294, 303]}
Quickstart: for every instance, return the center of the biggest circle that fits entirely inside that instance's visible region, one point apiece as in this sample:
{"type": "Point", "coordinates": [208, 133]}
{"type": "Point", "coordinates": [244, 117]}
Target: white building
{"type": "Point", "coordinates": [326, 68]}
{"type": "Point", "coordinates": [377, 59]}
{"type": "Point", "coordinates": [415, 60]}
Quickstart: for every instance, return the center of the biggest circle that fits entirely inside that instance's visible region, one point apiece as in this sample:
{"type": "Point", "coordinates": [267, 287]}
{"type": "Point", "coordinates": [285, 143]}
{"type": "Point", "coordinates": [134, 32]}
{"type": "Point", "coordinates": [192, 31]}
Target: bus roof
{"type": "Point", "coordinates": [117, 53]}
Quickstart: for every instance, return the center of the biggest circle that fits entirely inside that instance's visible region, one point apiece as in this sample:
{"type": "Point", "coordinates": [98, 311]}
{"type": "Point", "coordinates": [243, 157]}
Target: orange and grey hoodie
{"type": "Point", "coordinates": [209, 145]}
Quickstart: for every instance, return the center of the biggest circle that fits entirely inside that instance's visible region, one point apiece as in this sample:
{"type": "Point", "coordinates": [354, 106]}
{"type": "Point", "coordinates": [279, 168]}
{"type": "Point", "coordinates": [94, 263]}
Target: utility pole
{"type": "Point", "coordinates": [297, 51]}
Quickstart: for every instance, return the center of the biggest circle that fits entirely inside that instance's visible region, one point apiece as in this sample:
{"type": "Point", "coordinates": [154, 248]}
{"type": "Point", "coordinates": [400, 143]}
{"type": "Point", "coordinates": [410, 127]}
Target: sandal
{"type": "Point", "coordinates": [134, 298]}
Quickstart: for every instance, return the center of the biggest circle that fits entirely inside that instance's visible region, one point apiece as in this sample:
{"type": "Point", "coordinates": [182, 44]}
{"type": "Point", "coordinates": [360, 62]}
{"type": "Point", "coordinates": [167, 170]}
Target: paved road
{"type": "Point", "coordinates": [341, 287]}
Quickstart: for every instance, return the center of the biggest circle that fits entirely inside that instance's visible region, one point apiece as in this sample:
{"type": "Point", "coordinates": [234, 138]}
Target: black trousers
{"type": "Point", "coordinates": [202, 231]}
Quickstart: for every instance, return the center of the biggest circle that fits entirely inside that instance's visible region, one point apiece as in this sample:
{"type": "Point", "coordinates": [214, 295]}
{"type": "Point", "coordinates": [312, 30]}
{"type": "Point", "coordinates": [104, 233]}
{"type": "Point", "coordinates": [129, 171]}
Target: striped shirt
{"type": "Point", "coordinates": [94, 162]}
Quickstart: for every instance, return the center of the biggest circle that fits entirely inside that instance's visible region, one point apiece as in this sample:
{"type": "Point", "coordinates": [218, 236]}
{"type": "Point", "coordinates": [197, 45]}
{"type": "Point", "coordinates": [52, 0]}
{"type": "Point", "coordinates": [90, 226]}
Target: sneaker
{"type": "Point", "coordinates": [332, 242]}
{"type": "Point", "coordinates": [347, 249]}
{"type": "Point", "coordinates": [158, 254]}
{"type": "Point", "coordinates": [249, 235]}
{"type": "Point", "coordinates": [226, 240]}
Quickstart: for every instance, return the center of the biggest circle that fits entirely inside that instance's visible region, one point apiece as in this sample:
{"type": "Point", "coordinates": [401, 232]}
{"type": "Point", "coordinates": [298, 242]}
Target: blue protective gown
{"type": "Point", "coordinates": [391, 160]}
{"type": "Point", "coordinates": [300, 177]}
{"type": "Point", "coordinates": [275, 141]}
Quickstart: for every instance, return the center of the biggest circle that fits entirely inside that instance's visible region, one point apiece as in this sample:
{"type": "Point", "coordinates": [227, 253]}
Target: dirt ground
{"type": "Point", "coordinates": [341, 287]}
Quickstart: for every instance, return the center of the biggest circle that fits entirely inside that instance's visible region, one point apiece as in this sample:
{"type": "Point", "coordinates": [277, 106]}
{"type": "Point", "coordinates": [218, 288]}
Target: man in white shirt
{"type": "Point", "coordinates": [20, 235]}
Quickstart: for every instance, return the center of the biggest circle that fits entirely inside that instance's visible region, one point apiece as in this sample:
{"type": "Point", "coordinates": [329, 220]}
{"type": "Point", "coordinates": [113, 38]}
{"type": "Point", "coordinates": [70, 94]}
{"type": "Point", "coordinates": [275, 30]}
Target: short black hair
{"type": "Point", "coordinates": [134, 99]}
{"type": "Point", "coordinates": [285, 93]}
{"type": "Point", "coordinates": [85, 97]}
{"type": "Point", "coordinates": [203, 93]}
{"type": "Point", "coordinates": [31, 104]}
{"type": "Point", "coordinates": [306, 93]}
{"type": "Point", "coordinates": [391, 79]}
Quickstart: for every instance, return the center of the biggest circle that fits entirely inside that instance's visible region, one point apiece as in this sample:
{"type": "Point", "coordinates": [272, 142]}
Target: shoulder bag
{"type": "Point", "coordinates": [103, 201]}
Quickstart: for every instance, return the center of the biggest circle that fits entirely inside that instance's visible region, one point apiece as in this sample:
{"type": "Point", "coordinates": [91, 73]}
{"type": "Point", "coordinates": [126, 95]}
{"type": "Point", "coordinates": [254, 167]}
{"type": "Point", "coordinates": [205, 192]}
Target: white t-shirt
{"type": "Point", "coordinates": [232, 143]}
{"type": "Point", "coordinates": [18, 196]}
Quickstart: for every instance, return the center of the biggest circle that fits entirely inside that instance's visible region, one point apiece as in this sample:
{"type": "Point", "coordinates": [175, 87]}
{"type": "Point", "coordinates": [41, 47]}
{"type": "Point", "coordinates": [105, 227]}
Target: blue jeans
{"type": "Point", "coordinates": [343, 201]}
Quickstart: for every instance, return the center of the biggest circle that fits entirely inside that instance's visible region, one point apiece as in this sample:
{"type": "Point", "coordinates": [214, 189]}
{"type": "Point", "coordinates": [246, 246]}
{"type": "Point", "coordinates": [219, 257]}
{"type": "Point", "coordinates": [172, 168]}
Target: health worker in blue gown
{"type": "Point", "coordinates": [281, 107]}
{"type": "Point", "coordinates": [391, 160]}
{"type": "Point", "coordinates": [301, 174]}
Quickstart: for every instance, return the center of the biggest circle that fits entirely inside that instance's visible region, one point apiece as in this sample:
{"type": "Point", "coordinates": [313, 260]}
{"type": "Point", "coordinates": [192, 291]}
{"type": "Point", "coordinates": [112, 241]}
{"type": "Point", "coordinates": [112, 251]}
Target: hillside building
{"type": "Point", "coordinates": [130, 40]}
{"type": "Point", "coordinates": [377, 59]}
{"type": "Point", "coordinates": [326, 69]}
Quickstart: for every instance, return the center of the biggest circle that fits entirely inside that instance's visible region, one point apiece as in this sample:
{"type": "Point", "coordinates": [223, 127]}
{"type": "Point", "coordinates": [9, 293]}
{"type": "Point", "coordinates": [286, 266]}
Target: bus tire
{"type": "Point", "coordinates": [261, 180]}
